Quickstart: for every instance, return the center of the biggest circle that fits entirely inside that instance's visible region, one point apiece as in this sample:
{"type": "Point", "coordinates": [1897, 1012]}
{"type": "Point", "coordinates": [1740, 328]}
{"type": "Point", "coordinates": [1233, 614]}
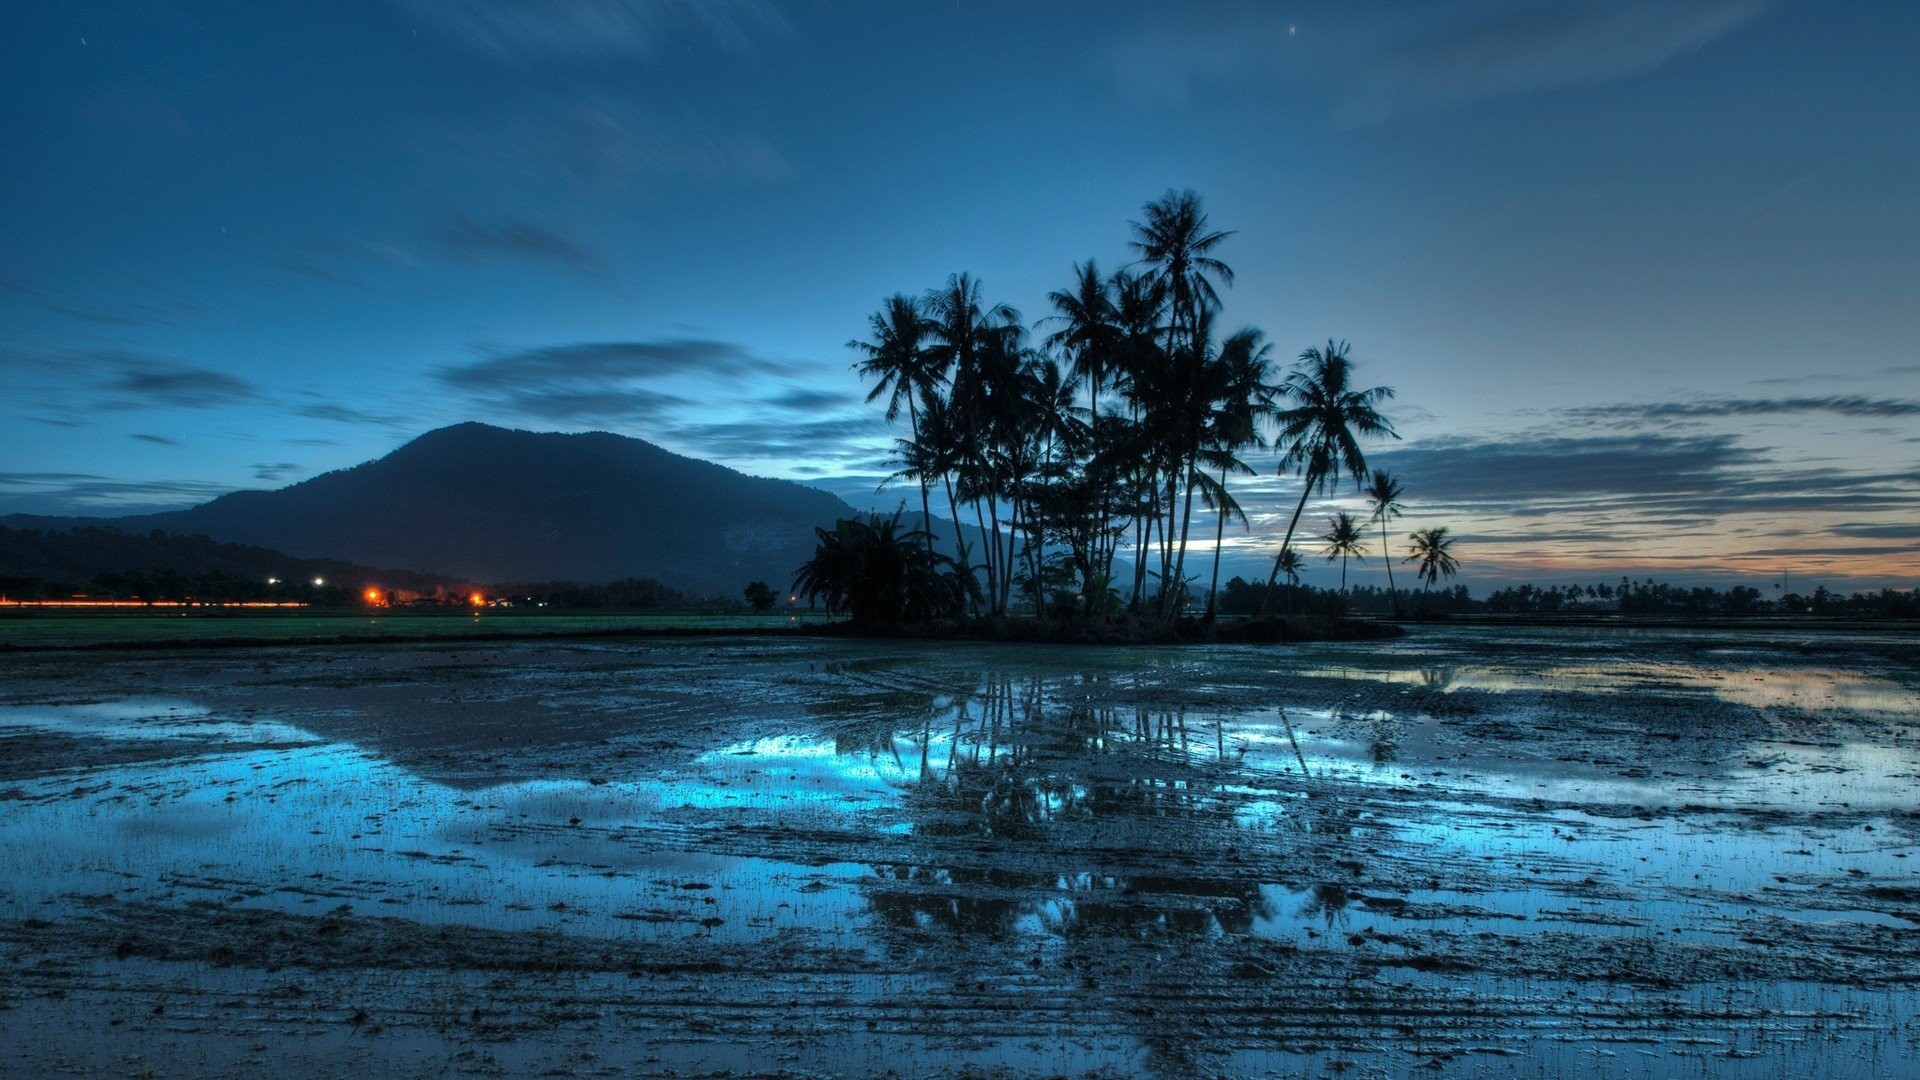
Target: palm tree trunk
{"type": "Point", "coordinates": [959, 531]}
{"type": "Point", "coordinates": [1284, 542]}
{"type": "Point", "coordinates": [1180, 562]}
{"type": "Point", "coordinates": [1141, 536]}
{"type": "Point", "coordinates": [1219, 535]}
{"type": "Point", "coordinates": [926, 512]}
{"type": "Point", "coordinates": [992, 545]}
{"type": "Point", "coordinates": [1386, 553]}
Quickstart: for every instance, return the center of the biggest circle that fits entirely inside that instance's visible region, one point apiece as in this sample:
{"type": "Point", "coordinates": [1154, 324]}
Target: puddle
{"type": "Point", "coordinates": [1693, 850]}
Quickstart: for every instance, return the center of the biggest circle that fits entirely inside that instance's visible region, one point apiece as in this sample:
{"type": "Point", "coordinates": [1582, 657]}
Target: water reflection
{"type": "Point", "coordinates": [1085, 798]}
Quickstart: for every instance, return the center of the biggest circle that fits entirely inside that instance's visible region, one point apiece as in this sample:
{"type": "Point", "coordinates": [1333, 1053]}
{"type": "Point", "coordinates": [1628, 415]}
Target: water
{"type": "Point", "coordinates": [1484, 851]}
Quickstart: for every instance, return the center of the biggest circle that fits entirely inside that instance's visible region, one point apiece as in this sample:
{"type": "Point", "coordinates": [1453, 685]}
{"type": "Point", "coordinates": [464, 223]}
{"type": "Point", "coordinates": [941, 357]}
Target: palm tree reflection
{"type": "Point", "coordinates": [1060, 817]}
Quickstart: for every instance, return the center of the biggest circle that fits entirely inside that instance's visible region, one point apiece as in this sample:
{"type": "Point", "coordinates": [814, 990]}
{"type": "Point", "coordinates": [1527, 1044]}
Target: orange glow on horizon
{"type": "Point", "coordinates": [477, 600]}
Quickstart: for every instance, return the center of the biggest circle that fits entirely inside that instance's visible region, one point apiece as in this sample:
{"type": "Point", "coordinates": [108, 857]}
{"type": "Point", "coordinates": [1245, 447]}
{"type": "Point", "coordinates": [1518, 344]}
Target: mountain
{"type": "Point", "coordinates": [487, 504]}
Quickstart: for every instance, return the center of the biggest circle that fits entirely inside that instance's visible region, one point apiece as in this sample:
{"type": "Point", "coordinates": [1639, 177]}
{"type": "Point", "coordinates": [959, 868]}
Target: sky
{"type": "Point", "coordinates": [1644, 275]}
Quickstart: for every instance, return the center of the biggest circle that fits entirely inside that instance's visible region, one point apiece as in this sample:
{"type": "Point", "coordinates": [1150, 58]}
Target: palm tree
{"type": "Point", "coordinates": [896, 358]}
{"type": "Point", "coordinates": [1175, 242]}
{"type": "Point", "coordinates": [1432, 549]}
{"type": "Point", "coordinates": [1322, 428]}
{"type": "Point", "coordinates": [879, 575]}
{"type": "Point", "coordinates": [1343, 540]}
{"type": "Point", "coordinates": [1090, 338]}
{"type": "Point", "coordinates": [1290, 564]}
{"type": "Point", "coordinates": [1383, 494]}
{"type": "Point", "coordinates": [974, 344]}
{"type": "Point", "coordinates": [1240, 397]}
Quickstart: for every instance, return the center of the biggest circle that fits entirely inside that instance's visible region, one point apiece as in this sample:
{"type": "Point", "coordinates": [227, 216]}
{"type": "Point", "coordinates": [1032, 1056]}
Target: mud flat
{"type": "Point", "coordinates": [1470, 851]}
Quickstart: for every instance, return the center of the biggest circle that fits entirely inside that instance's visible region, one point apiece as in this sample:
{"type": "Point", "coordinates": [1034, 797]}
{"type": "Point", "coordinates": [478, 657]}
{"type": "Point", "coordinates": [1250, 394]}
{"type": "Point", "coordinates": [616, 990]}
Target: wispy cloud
{"type": "Point", "coordinates": [143, 384]}
{"type": "Point", "coordinates": [1632, 481]}
{"type": "Point", "coordinates": [836, 440]}
{"type": "Point", "coordinates": [469, 240]}
{"type": "Point", "coordinates": [1382, 62]}
{"type": "Point", "coordinates": [88, 494]}
{"type": "Point", "coordinates": [162, 310]}
{"type": "Point", "coordinates": [1877, 531]}
{"type": "Point", "coordinates": [1850, 405]}
{"type": "Point", "coordinates": [157, 440]}
{"type": "Point", "coordinates": [608, 363]}
{"type": "Point", "coordinates": [276, 472]}
{"type": "Point", "coordinates": [599, 382]}
{"type": "Point", "coordinates": [1542, 46]}
{"type": "Point", "coordinates": [302, 268]}
{"type": "Point", "coordinates": [532, 33]}
{"type": "Point", "coordinates": [321, 409]}
{"type": "Point", "coordinates": [577, 140]}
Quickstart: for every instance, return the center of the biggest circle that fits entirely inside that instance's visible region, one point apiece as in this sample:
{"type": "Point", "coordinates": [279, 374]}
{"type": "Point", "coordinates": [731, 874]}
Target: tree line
{"type": "Point", "coordinates": [1103, 429]}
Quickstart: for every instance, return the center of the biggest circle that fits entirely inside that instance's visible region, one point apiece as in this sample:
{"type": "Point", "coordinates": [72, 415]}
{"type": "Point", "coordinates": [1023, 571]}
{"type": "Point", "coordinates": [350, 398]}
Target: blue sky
{"type": "Point", "coordinates": [1643, 274]}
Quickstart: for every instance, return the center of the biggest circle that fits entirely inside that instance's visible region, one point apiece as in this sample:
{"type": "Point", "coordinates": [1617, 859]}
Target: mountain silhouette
{"type": "Point", "coordinates": [487, 504]}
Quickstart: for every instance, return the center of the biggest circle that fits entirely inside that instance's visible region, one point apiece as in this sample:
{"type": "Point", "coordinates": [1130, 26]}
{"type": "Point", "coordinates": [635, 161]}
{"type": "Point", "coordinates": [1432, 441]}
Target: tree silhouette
{"type": "Point", "coordinates": [904, 370]}
{"type": "Point", "coordinates": [1321, 427]}
{"type": "Point", "coordinates": [1383, 495]}
{"type": "Point", "coordinates": [1433, 550]}
{"type": "Point", "coordinates": [760, 595]}
{"type": "Point", "coordinates": [1343, 541]}
{"type": "Point", "coordinates": [879, 575]}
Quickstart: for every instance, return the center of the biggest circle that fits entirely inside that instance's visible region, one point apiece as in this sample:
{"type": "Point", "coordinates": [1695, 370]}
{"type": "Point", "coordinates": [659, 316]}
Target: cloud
{"type": "Point", "coordinates": [543, 32]}
{"type": "Point", "coordinates": [621, 382]}
{"type": "Point", "coordinates": [591, 142]}
{"type": "Point", "coordinates": [87, 494]}
{"type": "Point", "coordinates": [1852, 405]}
{"type": "Point", "coordinates": [157, 440]}
{"type": "Point", "coordinates": [608, 363]}
{"type": "Point", "coordinates": [806, 399]}
{"type": "Point", "coordinates": [302, 268]}
{"type": "Point", "coordinates": [277, 472]}
{"type": "Point", "coordinates": [1525, 470]}
{"type": "Point", "coordinates": [589, 406]}
{"type": "Point", "coordinates": [511, 239]}
{"type": "Point", "coordinates": [1383, 62]}
{"type": "Point", "coordinates": [345, 414]}
{"type": "Point", "coordinates": [1622, 481]}
{"type": "Point", "coordinates": [161, 312]}
{"type": "Point", "coordinates": [593, 382]}
{"type": "Point", "coordinates": [841, 440]}
{"type": "Point", "coordinates": [1873, 531]}
{"type": "Point", "coordinates": [1543, 46]}
{"type": "Point", "coordinates": [1808, 552]}
{"type": "Point", "coordinates": [138, 381]}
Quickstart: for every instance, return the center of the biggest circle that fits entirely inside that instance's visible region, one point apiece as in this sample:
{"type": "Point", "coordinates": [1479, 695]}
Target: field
{"type": "Point", "coordinates": [1470, 851]}
{"type": "Point", "coordinates": [69, 630]}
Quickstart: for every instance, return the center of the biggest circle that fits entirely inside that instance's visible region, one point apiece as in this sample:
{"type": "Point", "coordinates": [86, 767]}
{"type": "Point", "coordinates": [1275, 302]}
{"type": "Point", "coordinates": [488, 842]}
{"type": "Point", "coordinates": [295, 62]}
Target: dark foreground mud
{"type": "Point", "coordinates": [1466, 852]}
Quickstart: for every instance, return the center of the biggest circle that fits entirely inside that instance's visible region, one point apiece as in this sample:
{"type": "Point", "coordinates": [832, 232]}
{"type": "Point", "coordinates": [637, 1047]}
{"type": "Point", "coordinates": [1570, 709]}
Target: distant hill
{"type": "Point", "coordinates": [34, 561]}
{"type": "Point", "coordinates": [487, 504]}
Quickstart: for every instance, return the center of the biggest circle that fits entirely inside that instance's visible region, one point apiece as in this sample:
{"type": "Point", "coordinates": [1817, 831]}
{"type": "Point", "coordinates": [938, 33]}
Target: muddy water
{"type": "Point", "coordinates": [1469, 851]}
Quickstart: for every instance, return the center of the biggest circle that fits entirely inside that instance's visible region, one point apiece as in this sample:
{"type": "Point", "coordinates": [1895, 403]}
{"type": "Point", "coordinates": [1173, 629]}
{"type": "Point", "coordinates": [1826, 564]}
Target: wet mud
{"type": "Point", "coordinates": [1470, 851]}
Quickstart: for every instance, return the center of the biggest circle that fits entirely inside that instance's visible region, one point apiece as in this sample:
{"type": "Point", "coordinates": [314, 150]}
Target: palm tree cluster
{"type": "Point", "coordinates": [1106, 430]}
{"type": "Point", "coordinates": [881, 576]}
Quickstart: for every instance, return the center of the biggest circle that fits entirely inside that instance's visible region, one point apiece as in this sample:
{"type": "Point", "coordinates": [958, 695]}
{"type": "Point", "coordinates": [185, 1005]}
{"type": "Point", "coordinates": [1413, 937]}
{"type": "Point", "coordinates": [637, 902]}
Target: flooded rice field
{"type": "Point", "coordinates": [1467, 852]}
